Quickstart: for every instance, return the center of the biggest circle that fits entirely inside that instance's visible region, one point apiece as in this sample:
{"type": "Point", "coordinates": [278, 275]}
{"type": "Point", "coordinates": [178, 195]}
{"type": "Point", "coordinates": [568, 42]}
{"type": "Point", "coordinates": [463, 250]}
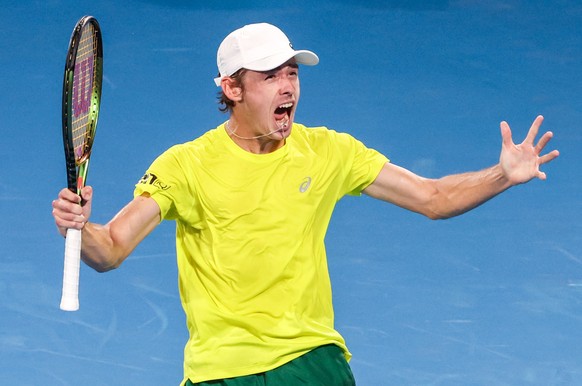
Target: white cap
{"type": "Point", "coordinates": [258, 47]}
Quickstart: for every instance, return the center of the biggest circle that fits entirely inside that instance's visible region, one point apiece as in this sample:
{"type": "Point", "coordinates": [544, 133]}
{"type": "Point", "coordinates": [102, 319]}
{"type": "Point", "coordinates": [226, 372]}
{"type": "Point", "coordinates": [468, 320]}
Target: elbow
{"type": "Point", "coordinates": [110, 265]}
{"type": "Point", "coordinates": [441, 212]}
{"type": "Point", "coordinates": [103, 266]}
{"type": "Point", "coordinates": [101, 269]}
{"type": "Point", "coordinates": [433, 209]}
{"type": "Point", "coordinates": [439, 206]}
{"type": "Point", "coordinates": [436, 215]}
{"type": "Point", "coordinates": [438, 209]}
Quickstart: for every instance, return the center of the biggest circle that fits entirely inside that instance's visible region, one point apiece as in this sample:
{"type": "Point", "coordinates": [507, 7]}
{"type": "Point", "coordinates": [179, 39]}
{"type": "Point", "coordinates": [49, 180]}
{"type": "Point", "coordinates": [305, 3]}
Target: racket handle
{"type": "Point", "coordinates": [70, 297]}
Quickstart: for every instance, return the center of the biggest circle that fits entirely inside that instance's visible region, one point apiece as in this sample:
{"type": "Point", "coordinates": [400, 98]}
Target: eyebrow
{"type": "Point", "coordinates": [286, 64]}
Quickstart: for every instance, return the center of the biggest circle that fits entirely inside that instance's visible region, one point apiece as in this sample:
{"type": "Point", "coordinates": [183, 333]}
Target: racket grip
{"type": "Point", "coordinates": [70, 296]}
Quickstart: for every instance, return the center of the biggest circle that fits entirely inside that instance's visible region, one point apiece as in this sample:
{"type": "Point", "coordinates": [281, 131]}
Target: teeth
{"type": "Point", "coordinates": [283, 123]}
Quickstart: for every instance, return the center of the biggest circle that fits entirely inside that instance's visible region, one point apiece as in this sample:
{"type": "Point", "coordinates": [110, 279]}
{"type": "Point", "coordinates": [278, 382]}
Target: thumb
{"type": "Point", "coordinates": [506, 134]}
{"type": "Point", "coordinates": [87, 193]}
{"type": "Point", "coordinates": [86, 199]}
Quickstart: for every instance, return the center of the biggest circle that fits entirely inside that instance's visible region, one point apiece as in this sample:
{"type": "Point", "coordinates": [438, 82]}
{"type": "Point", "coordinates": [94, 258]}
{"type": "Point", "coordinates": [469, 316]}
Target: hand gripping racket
{"type": "Point", "coordinates": [81, 98]}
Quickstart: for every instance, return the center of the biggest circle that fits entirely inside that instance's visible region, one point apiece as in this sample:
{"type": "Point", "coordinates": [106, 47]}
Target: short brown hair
{"type": "Point", "coordinates": [225, 103]}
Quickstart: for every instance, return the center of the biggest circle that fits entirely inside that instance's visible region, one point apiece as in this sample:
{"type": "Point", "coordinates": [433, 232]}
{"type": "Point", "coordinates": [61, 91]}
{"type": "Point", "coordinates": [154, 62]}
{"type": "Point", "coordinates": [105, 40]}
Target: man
{"type": "Point", "coordinates": [252, 200]}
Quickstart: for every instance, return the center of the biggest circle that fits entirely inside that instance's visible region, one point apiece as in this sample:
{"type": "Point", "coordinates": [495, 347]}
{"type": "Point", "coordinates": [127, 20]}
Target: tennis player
{"type": "Point", "coordinates": [252, 199]}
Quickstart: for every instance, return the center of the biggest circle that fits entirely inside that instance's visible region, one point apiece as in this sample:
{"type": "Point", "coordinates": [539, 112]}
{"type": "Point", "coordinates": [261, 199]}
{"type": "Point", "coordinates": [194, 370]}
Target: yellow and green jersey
{"type": "Point", "coordinates": [253, 274]}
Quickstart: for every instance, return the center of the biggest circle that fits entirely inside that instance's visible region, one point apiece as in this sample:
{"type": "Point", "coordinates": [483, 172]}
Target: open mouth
{"type": "Point", "coordinates": [283, 114]}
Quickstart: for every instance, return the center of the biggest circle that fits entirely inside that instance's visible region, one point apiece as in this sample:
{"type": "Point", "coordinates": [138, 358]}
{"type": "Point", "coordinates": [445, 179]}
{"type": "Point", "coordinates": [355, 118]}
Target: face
{"type": "Point", "coordinates": [269, 101]}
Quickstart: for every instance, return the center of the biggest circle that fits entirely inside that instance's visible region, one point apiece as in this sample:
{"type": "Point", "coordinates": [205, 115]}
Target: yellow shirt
{"type": "Point", "coordinates": [253, 274]}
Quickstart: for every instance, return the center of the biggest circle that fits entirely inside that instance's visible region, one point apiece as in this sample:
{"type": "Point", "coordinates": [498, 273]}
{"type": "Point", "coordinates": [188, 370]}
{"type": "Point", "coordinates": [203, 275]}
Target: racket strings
{"type": "Point", "coordinates": [84, 81]}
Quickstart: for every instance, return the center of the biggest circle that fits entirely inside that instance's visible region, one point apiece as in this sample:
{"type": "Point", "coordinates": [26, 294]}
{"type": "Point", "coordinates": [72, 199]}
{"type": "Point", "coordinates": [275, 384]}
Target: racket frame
{"type": "Point", "coordinates": [77, 162]}
{"type": "Point", "coordinates": [77, 167]}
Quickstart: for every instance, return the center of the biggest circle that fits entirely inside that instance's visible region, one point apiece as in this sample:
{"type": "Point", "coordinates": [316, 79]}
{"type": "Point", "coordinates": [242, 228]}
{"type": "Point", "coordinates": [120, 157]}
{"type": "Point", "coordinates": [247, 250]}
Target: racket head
{"type": "Point", "coordinates": [81, 98]}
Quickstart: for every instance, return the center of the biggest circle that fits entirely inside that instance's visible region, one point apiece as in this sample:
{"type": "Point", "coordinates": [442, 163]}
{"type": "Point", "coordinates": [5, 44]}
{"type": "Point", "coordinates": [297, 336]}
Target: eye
{"type": "Point", "coordinates": [294, 70]}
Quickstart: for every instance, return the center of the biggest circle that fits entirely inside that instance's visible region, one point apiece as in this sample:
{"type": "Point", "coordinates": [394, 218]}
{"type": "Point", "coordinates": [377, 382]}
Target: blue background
{"type": "Point", "coordinates": [493, 297]}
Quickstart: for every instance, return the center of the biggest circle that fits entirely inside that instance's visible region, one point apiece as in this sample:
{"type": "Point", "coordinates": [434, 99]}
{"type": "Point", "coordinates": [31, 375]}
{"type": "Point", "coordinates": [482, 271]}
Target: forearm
{"type": "Point", "coordinates": [437, 198]}
{"type": "Point", "coordinates": [98, 250]}
{"type": "Point", "coordinates": [105, 247]}
{"type": "Point", "coordinates": [456, 194]}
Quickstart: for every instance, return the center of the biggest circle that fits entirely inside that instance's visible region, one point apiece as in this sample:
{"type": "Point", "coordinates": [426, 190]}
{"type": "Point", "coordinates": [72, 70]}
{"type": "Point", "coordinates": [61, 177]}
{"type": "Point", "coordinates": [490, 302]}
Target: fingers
{"type": "Point", "coordinates": [543, 142]}
{"type": "Point", "coordinates": [67, 195]}
{"type": "Point", "coordinates": [530, 139]}
{"type": "Point", "coordinates": [533, 130]}
{"type": "Point", "coordinates": [521, 161]}
{"type": "Point", "coordinates": [549, 157]}
{"type": "Point", "coordinates": [67, 212]}
{"type": "Point", "coordinates": [540, 147]}
{"type": "Point", "coordinates": [506, 134]}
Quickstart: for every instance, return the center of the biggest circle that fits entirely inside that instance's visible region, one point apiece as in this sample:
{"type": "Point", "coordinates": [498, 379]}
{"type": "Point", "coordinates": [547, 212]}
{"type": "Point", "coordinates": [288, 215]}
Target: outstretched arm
{"type": "Point", "coordinates": [105, 247]}
{"type": "Point", "coordinates": [456, 194]}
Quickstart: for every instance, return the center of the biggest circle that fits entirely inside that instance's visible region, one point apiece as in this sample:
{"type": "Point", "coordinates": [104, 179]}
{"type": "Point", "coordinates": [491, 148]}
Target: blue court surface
{"type": "Point", "coordinates": [493, 297]}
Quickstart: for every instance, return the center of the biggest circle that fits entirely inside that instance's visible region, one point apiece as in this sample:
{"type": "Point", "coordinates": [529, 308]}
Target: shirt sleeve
{"type": "Point", "coordinates": [164, 182]}
{"type": "Point", "coordinates": [362, 164]}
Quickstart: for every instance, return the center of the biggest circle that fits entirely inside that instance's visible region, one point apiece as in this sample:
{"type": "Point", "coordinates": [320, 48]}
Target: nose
{"type": "Point", "coordinates": [287, 85]}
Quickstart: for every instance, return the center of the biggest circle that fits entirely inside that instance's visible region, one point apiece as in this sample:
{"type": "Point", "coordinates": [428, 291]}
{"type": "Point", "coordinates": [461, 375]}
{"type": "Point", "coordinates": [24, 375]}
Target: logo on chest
{"type": "Point", "coordinates": [305, 184]}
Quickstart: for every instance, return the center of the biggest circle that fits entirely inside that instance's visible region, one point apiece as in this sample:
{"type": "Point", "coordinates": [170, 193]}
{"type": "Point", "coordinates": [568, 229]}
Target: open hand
{"type": "Point", "coordinates": [521, 163]}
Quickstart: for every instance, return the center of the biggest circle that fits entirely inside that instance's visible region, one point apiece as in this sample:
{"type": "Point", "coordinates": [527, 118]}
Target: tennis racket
{"type": "Point", "coordinates": [81, 98]}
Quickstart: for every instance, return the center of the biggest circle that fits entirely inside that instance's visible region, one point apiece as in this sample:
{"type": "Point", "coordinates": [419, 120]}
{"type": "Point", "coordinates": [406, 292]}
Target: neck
{"type": "Point", "coordinates": [258, 144]}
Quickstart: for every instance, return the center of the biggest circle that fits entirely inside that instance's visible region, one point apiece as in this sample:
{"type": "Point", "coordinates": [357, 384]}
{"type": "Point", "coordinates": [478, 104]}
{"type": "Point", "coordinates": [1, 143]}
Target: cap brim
{"type": "Point", "coordinates": [306, 57]}
{"type": "Point", "coordinates": [265, 64]}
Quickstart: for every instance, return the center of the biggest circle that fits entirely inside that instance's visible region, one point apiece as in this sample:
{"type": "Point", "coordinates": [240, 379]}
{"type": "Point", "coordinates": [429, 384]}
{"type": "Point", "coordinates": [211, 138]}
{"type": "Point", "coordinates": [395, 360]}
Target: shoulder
{"type": "Point", "coordinates": [205, 143]}
{"type": "Point", "coordinates": [319, 134]}
{"type": "Point", "coordinates": [312, 131]}
{"type": "Point", "coordinates": [322, 136]}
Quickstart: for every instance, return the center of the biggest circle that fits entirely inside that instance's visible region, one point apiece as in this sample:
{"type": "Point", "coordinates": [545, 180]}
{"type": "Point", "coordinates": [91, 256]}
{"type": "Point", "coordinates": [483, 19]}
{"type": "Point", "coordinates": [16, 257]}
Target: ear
{"type": "Point", "coordinates": [231, 89]}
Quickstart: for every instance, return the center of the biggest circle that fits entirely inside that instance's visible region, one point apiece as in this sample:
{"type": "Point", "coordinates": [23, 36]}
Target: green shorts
{"type": "Point", "coordinates": [323, 366]}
